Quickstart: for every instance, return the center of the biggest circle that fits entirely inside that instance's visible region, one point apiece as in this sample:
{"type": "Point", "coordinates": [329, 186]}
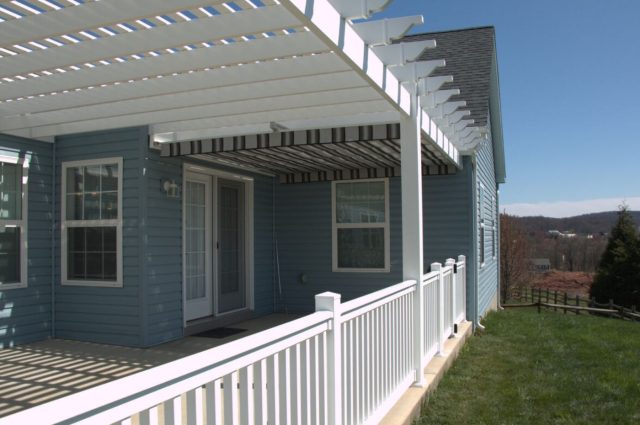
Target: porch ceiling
{"type": "Point", "coordinates": [195, 69]}
{"type": "Point", "coordinates": [314, 155]}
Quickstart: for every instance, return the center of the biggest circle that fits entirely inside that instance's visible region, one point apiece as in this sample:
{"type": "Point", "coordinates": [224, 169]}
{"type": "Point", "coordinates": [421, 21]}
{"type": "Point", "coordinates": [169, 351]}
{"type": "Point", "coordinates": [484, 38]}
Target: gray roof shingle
{"type": "Point", "coordinates": [469, 56]}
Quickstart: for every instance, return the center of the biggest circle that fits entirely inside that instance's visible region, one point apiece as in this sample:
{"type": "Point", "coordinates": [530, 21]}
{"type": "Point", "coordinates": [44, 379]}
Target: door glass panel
{"type": "Point", "coordinates": [195, 231]}
{"type": "Point", "coordinates": [231, 287]}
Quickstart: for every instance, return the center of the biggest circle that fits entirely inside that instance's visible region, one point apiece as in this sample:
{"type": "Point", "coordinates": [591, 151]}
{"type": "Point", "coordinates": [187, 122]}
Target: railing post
{"type": "Point", "coordinates": [451, 263]}
{"type": "Point", "coordinates": [462, 259]}
{"type": "Point", "coordinates": [437, 267]}
{"type": "Point", "coordinates": [328, 301]}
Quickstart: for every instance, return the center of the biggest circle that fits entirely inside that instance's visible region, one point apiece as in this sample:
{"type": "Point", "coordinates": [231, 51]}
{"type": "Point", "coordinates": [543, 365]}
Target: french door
{"type": "Point", "coordinates": [215, 240]}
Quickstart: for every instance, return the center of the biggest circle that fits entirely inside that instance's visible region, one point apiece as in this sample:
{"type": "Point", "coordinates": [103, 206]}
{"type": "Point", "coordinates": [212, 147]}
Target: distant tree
{"type": "Point", "coordinates": [618, 273]}
{"type": "Point", "coordinates": [514, 253]}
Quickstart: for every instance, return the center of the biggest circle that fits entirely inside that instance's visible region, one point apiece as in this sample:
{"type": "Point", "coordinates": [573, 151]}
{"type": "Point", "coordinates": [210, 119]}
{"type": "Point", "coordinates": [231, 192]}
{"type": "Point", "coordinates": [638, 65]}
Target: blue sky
{"type": "Point", "coordinates": [570, 81]}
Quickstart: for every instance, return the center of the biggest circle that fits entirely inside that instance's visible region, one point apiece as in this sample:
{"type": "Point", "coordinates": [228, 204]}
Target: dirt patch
{"type": "Point", "coordinates": [573, 283]}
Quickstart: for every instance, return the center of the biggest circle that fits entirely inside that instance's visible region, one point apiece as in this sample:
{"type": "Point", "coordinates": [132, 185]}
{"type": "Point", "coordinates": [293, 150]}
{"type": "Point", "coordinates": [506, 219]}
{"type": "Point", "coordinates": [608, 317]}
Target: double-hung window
{"type": "Point", "coordinates": [92, 222]}
{"type": "Point", "coordinates": [13, 222]}
{"type": "Point", "coordinates": [360, 225]}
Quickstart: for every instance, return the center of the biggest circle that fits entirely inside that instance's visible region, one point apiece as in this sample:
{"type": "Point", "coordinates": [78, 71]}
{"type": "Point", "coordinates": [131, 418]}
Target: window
{"type": "Point", "coordinates": [13, 222]}
{"type": "Point", "coordinates": [92, 222]}
{"type": "Point", "coordinates": [361, 225]}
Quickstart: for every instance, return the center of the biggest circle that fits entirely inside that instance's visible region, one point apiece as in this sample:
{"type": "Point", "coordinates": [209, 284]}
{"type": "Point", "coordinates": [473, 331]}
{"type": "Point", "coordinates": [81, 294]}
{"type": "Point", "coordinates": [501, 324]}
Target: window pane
{"type": "Point", "coordinates": [109, 239]}
{"type": "Point", "coordinates": [74, 180]}
{"type": "Point", "coordinates": [109, 205]}
{"type": "Point", "coordinates": [92, 178]}
{"type": "Point", "coordinates": [75, 266]}
{"type": "Point", "coordinates": [361, 248]}
{"type": "Point", "coordinates": [91, 253]}
{"type": "Point", "coordinates": [74, 207]}
{"type": "Point", "coordinates": [76, 238]}
{"type": "Point", "coordinates": [94, 239]}
{"type": "Point", "coordinates": [10, 255]}
{"type": "Point", "coordinates": [92, 206]}
{"type": "Point", "coordinates": [10, 191]}
{"type": "Point", "coordinates": [361, 202]}
{"type": "Point", "coordinates": [109, 177]}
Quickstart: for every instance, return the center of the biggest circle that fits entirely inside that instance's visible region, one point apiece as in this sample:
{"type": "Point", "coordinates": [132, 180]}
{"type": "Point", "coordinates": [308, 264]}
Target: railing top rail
{"type": "Point", "coordinates": [430, 277]}
{"type": "Point", "coordinates": [446, 270]}
{"type": "Point", "coordinates": [164, 378]}
{"type": "Point", "coordinates": [360, 302]}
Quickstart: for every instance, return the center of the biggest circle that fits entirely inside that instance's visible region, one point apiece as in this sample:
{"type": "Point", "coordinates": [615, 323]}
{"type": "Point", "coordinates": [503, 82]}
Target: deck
{"type": "Point", "coordinates": [39, 372]}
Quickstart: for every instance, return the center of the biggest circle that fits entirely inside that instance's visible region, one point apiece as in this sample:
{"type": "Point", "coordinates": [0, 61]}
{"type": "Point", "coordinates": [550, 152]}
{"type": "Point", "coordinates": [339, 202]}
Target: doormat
{"type": "Point", "coordinates": [220, 332]}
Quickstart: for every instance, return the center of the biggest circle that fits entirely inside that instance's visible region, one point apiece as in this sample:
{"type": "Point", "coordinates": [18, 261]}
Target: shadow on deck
{"type": "Point", "coordinates": [39, 372]}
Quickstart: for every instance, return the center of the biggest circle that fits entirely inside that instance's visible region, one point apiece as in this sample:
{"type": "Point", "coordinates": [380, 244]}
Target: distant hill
{"type": "Point", "coordinates": [582, 224]}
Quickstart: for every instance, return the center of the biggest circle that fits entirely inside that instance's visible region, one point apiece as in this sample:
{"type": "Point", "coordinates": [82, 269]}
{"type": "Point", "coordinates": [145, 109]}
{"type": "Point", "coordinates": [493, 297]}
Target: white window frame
{"type": "Point", "coordinates": [335, 226]}
{"type": "Point", "coordinates": [65, 224]}
{"type": "Point", "coordinates": [22, 223]}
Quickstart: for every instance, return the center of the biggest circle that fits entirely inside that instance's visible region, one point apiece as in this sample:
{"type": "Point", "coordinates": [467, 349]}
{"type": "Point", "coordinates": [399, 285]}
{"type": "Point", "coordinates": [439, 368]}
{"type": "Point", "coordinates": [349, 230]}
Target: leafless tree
{"type": "Point", "coordinates": [514, 254]}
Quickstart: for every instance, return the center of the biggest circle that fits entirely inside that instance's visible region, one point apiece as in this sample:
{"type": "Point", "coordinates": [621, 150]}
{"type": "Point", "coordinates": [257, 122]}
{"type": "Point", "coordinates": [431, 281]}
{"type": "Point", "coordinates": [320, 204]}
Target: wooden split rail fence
{"type": "Point", "coordinates": [555, 300]}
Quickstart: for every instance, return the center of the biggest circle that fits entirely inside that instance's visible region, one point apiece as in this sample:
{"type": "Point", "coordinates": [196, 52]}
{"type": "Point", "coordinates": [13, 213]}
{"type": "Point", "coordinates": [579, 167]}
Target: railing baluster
{"type": "Point", "coordinates": [273, 387]}
{"type": "Point", "coordinates": [305, 388]}
{"type": "Point", "coordinates": [285, 387]}
{"type": "Point", "coordinates": [246, 395]}
{"type": "Point", "coordinates": [260, 391]}
{"type": "Point", "coordinates": [212, 403]}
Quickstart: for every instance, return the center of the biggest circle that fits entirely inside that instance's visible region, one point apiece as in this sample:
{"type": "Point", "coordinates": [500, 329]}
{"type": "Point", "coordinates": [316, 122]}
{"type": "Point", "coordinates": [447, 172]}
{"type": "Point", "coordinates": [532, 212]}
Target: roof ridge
{"type": "Point", "coordinates": [452, 30]}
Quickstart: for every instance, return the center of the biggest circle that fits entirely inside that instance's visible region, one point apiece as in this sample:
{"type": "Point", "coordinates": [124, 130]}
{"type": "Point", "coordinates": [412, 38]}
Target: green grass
{"type": "Point", "coordinates": [548, 368]}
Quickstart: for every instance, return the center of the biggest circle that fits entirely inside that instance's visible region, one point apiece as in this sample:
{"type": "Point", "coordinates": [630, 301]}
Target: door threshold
{"type": "Point", "coordinates": [202, 324]}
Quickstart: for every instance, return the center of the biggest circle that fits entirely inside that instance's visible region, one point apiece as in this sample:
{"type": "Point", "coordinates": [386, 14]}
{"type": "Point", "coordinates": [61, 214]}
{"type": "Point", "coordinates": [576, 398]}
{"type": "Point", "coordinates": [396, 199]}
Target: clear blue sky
{"type": "Point", "coordinates": [570, 81]}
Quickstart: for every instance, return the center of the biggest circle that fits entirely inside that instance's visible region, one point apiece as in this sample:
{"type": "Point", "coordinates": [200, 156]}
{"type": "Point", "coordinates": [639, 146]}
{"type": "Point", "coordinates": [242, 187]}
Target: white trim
{"type": "Point", "coordinates": [249, 233]}
{"type": "Point", "coordinates": [64, 224]}
{"type": "Point", "coordinates": [207, 302]}
{"type": "Point", "coordinates": [335, 226]}
{"type": "Point", "coordinates": [23, 223]}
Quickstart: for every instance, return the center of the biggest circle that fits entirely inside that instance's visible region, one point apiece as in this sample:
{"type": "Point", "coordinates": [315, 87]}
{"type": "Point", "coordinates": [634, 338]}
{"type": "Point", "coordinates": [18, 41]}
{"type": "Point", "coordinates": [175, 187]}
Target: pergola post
{"type": "Point", "coordinates": [412, 250]}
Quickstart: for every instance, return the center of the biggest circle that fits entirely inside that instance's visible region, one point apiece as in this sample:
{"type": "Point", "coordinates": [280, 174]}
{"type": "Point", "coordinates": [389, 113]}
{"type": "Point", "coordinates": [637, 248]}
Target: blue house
{"type": "Point", "coordinates": [165, 176]}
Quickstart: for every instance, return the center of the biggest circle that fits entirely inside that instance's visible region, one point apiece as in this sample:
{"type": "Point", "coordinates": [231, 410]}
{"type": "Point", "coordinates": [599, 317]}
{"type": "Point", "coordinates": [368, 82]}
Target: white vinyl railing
{"type": "Point", "coordinates": [347, 363]}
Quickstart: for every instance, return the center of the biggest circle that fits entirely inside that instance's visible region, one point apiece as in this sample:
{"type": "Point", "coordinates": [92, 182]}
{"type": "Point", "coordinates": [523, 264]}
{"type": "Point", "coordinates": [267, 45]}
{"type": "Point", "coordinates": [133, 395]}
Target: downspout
{"type": "Point", "coordinates": [498, 230]}
{"type": "Point", "coordinates": [53, 240]}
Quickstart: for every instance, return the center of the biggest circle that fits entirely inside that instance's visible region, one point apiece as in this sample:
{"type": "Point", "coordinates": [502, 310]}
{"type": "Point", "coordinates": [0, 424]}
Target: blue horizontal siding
{"type": "Point", "coordinates": [106, 315]}
{"type": "Point", "coordinates": [487, 273]}
{"type": "Point", "coordinates": [303, 230]}
{"type": "Point", "coordinates": [25, 313]}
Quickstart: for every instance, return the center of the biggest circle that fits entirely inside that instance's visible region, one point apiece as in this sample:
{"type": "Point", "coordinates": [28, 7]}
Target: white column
{"type": "Point", "coordinates": [328, 301]}
{"type": "Point", "coordinates": [412, 251]}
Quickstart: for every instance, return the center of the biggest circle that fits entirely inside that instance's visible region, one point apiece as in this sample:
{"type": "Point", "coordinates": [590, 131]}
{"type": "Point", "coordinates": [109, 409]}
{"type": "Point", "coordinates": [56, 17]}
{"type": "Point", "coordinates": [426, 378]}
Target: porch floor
{"type": "Point", "coordinates": [39, 372]}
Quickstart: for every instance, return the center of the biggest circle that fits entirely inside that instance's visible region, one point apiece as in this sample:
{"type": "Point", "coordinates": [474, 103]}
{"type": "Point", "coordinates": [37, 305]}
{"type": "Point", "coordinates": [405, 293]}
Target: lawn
{"type": "Point", "coordinates": [548, 368]}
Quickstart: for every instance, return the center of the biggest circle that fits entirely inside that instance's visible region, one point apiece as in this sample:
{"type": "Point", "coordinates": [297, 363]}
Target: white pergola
{"type": "Point", "coordinates": [204, 70]}
{"type": "Point", "coordinates": [194, 69]}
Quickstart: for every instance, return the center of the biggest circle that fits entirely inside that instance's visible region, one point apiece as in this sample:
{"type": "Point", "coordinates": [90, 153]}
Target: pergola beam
{"type": "Point", "coordinates": [157, 38]}
{"type": "Point", "coordinates": [289, 68]}
{"type": "Point", "coordinates": [232, 111]}
{"type": "Point", "coordinates": [328, 111]}
{"type": "Point", "coordinates": [262, 91]}
{"type": "Point", "coordinates": [90, 15]}
{"type": "Point", "coordinates": [230, 54]}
